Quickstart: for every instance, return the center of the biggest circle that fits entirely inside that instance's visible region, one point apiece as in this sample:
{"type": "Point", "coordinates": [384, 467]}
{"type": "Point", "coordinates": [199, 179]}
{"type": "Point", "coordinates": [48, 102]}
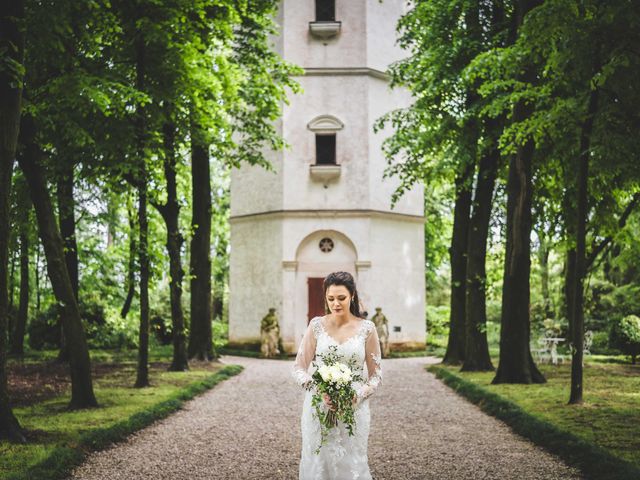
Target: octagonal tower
{"type": "Point", "coordinates": [326, 206]}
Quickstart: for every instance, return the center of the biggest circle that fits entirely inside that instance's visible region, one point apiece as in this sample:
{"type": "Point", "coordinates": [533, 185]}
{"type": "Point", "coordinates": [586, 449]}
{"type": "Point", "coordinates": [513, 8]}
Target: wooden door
{"type": "Point", "coordinates": [316, 298]}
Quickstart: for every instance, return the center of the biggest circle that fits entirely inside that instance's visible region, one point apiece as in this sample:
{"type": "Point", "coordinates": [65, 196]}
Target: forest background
{"type": "Point", "coordinates": [120, 122]}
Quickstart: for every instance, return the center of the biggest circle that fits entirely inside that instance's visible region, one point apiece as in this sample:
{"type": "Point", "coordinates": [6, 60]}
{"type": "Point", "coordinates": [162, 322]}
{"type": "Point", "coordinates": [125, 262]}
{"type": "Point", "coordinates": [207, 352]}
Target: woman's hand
{"type": "Point", "coordinates": [327, 402]}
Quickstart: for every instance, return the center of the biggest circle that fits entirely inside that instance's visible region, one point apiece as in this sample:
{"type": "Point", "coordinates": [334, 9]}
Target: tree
{"type": "Point", "coordinates": [23, 214]}
{"type": "Point", "coordinates": [131, 264]}
{"type": "Point", "coordinates": [252, 82]}
{"type": "Point", "coordinates": [476, 347]}
{"type": "Point", "coordinates": [82, 395]}
{"type": "Point", "coordinates": [12, 41]}
{"type": "Point", "coordinates": [170, 211]}
{"type": "Point", "coordinates": [443, 132]}
{"type": "Point", "coordinates": [516, 363]}
{"type": "Point", "coordinates": [200, 339]}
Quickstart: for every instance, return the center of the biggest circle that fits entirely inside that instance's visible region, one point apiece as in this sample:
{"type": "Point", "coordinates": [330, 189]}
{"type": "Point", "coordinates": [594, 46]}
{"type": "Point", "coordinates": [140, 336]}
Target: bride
{"type": "Point", "coordinates": [343, 456]}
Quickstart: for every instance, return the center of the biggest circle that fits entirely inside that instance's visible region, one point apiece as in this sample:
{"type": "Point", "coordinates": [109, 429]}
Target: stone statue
{"type": "Point", "coordinates": [270, 335]}
{"type": "Point", "coordinates": [382, 327]}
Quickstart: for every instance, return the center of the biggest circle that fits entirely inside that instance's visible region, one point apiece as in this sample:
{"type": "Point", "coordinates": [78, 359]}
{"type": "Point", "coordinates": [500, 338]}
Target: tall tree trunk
{"type": "Point", "coordinates": [142, 377]}
{"type": "Point", "coordinates": [24, 222]}
{"type": "Point", "coordinates": [67, 220]}
{"type": "Point", "coordinates": [569, 213]}
{"type": "Point", "coordinates": [455, 353]}
{"type": "Point", "coordinates": [12, 16]}
{"type": "Point", "coordinates": [170, 212]}
{"type": "Point", "coordinates": [543, 259]}
{"type": "Point", "coordinates": [12, 274]}
{"type": "Point", "coordinates": [200, 336]}
{"type": "Point", "coordinates": [133, 251]}
{"type": "Point", "coordinates": [577, 317]}
{"type": "Point", "coordinates": [37, 279]}
{"type": "Point", "coordinates": [80, 365]}
{"type": "Point", "coordinates": [516, 364]}
{"type": "Point", "coordinates": [477, 356]}
{"type": "Point", "coordinates": [17, 337]}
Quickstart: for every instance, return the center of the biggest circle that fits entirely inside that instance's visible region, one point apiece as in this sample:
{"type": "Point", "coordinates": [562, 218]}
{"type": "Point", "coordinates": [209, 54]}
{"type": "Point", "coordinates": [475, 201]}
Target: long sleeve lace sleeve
{"type": "Point", "coordinates": [306, 353]}
{"type": "Point", "coordinates": [373, 360]}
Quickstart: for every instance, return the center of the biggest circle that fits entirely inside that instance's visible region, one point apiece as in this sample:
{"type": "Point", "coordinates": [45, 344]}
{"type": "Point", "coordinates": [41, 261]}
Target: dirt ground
{"type": "Point", "coordinates": [30, 383]}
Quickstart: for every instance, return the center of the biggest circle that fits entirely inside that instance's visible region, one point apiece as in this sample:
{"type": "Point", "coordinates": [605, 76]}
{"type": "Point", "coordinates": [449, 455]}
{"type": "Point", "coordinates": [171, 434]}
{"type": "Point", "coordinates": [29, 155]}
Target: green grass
{"type": "Point", "coordinates": [60, 438]}
{"type": "Point", "coordinates": [251, 353]}
{"type": "Point", "coordinates": [156, 353]}
{"type": "Point", "coordinates": [606, 425]}
{"type": "Point", "coordinates": [419, 353]}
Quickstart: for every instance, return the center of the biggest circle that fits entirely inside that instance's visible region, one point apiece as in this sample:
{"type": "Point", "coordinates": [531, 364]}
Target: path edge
{"type": "Point", "coordinates": [593, 461]}
{"type": "Point", "coordinates": [62, 460]}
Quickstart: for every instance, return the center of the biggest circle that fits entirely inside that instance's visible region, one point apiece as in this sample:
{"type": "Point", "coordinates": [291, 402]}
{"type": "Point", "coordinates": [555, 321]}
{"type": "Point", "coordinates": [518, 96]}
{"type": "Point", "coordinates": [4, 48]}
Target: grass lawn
{"type": "Point", "coordinates": [609, 417]}
{"type": "Point", "coordinates": [51, 426]}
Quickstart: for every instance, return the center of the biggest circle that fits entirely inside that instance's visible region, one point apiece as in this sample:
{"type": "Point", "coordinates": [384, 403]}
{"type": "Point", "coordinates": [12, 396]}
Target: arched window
{"type": "Point", "coordinates": [325, 128]}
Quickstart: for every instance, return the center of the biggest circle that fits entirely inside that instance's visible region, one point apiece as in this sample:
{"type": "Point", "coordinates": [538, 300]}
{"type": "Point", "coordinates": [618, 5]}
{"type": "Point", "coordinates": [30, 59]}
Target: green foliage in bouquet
{"type": "Point", "coordinates": [335, 377]}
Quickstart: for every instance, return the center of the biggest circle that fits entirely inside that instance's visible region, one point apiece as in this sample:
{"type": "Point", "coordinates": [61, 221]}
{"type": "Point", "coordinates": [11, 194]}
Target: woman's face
{"type": "Point", "coordinates": [338, 298]}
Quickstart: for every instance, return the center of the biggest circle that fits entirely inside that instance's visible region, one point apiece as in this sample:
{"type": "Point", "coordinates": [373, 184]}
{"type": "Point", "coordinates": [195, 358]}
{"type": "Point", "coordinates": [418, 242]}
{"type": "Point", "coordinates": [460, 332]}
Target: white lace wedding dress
{"type": "Point", "coordinates": [342, 457]}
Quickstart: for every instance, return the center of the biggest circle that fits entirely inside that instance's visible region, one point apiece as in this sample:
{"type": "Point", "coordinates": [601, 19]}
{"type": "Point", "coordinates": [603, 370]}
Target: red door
{"type": "Point", "coordinates": [316, 298]}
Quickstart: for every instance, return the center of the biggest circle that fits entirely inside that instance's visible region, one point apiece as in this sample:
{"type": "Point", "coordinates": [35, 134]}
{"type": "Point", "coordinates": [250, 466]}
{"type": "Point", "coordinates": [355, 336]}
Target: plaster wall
{"type": "Point", "coordinates": [396, 279]}
{"type": "Point", "coordinates": [381, 20]}
{"type": "Point", "coordinates": [254, 189]}
{"type": "Point", "coordinates": [348, 49]}
{"type": "Point", "coordinates": [381, 100]}
{"type": "Point", "coordinates": [383, 252]}
{"type": "Point", "coordinates": [326, 95]}
{"type": "Point", "coordinates": [256, 275]}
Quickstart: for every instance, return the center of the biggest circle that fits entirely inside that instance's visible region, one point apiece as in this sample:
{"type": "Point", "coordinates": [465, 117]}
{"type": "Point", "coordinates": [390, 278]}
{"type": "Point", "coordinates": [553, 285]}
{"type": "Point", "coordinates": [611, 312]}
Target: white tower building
{"type": "Point", "coordinates": [327, 207]}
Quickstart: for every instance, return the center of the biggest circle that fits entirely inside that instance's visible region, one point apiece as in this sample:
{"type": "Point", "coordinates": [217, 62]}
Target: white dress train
{"type": "Point", "coordinates": [343, 457]}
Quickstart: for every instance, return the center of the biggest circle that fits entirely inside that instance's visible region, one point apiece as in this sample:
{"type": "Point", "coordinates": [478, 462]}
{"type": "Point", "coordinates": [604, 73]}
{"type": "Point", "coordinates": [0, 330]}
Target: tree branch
{"type": "Point", "coordinates": [597, 248]}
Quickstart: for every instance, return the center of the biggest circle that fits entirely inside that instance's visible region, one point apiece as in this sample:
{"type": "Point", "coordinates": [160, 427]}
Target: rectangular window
{"type": "Point", "coordinates": [325, 10]}
{"type": "Point", "coordinates": [326, 149]}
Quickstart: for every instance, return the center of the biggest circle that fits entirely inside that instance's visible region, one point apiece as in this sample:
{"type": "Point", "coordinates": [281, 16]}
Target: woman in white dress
{"type": "Point", "coordinates": [343, 456]}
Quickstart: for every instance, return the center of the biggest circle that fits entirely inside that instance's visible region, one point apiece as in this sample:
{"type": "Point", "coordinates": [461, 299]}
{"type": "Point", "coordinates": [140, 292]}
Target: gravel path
{"type": "Point", "coordinates": [248, 427]}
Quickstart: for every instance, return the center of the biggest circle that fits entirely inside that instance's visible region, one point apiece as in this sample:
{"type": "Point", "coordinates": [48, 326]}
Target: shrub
{"type": "Point", "coordinates": [43, 329]}
{"type": "Point", "coordinates": [116, 332]}
{"type": "Point", "coordinates": [600, 345]}
{"type": "Point", "coordinates": [438, 320]}
{"type": "Point", "coordinates": [93, 317]}
{"type": "Point", "coordinates": [625, 335]}
{"type": "Point", "coordinates": [161, 329]}
{"type": "Point", "coordinates": [606, 301]}
{"type": "Point", "coordinates": [220, 334]}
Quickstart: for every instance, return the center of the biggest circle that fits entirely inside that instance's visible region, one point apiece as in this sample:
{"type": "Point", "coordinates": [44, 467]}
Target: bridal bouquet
{"type": "Point", "coordinates": [335, 378]}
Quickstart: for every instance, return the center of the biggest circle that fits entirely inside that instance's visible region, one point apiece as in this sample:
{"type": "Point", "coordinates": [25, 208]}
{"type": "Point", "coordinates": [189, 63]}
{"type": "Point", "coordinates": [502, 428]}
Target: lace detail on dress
{"type": "Point", "coordinates": [374, 364]}
{"type": "Point", "coordinates": [343, 457]}
{"type": "Point", "coordinates": [316, 326]}
{"type": "Point", "coordinates": [306, 353]}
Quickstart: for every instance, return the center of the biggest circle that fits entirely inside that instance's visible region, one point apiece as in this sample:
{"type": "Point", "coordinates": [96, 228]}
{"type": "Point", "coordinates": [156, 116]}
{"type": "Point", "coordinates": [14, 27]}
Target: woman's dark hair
{"type": "Point", "coordinates": [346, 280]}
